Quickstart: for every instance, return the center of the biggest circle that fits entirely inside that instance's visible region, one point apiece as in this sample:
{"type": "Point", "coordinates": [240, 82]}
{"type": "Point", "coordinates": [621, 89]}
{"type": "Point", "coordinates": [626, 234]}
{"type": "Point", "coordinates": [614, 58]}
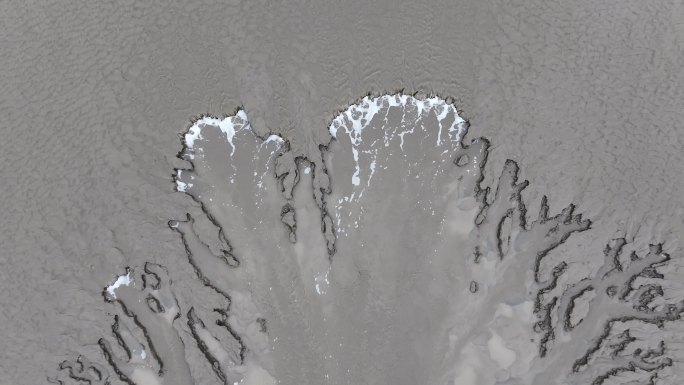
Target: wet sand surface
{"type": "Point", "coordinates": [585, 98]}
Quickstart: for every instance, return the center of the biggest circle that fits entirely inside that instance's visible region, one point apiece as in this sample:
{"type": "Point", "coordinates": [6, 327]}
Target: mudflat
{"type": "Point", "coordinates": [585, 98]}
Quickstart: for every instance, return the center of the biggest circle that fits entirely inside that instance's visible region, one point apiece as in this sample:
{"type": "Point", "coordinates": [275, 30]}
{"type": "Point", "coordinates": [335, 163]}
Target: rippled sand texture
{"type": "Point", "coordinates": [584, 96]}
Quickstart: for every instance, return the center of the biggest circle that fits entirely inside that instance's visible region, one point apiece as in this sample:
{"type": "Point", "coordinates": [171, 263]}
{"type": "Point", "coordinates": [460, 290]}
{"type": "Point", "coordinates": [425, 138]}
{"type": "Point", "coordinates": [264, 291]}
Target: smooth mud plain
{"type": "Point", "coordinates": [221, 193]}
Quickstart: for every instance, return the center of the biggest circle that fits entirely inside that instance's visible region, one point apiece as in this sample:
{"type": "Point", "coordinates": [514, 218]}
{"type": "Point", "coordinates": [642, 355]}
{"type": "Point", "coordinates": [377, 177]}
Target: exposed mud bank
{"type": "Point", "coordinates": [387, 261]}
{"type": "Point", "coordinates": [584, 97]}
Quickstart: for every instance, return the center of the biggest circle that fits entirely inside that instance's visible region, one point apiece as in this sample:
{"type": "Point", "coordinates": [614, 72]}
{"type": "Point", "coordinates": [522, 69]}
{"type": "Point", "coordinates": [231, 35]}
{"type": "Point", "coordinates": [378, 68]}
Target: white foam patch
{"type": "Point", "coordinates": [122, 280]}
{"type": "Point", "coordinates": [180, 185]}
{"type": "Point", "coordinates": [229, 126]}
{"type": "Point", "coordinates": [358, 116]}
{"type": "Point", "coordinates": [273, 138]}
{"type": "Point", "coordinates": [420, 115]}
{"type": "Point", "coordinates": [361, 114]}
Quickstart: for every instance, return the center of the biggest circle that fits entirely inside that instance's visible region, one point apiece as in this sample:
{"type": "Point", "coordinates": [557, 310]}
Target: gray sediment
{"type": "Point", "coordinates": [585, 98]}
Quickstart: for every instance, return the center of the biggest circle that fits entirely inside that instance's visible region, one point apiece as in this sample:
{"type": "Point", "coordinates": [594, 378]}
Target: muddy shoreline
{"type": "Point", "coordinates": [585, 97]}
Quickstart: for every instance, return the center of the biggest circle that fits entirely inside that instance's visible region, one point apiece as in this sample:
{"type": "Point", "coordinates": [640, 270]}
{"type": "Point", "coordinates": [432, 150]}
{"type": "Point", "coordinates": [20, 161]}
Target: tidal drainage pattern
{"type": "Point", "coordinates": [389, 262]}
